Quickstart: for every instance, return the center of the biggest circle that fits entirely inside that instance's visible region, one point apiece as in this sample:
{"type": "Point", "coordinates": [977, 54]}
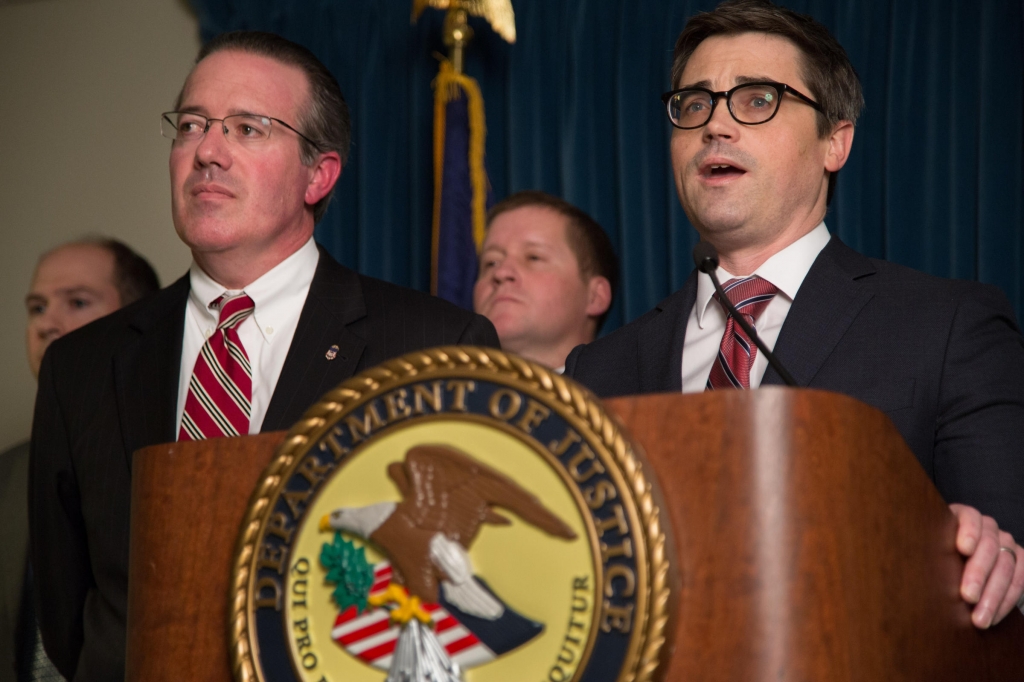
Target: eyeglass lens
{"type": "Point", "coordinates": [243, 128]}
{"type": "Point", "coordinates": [748, 104]}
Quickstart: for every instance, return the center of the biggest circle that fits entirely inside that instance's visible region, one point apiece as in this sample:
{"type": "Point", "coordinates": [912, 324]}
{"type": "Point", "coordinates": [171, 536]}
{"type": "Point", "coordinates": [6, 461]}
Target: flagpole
{"type": "Point", "coordinates": [457, 33]}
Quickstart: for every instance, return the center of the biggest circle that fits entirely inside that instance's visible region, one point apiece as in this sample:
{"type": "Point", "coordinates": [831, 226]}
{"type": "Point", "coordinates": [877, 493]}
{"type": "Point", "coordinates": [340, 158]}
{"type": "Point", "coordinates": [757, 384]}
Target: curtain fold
{"type": "Point", "coordinates": [935, 180]}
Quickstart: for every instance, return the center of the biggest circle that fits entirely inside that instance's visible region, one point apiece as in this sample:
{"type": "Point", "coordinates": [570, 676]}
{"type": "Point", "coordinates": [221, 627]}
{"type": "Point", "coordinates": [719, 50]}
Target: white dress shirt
{"type": "Point", "coordinates": [266, 335]}
{"type": "Point", "coordinates": [706, 324]}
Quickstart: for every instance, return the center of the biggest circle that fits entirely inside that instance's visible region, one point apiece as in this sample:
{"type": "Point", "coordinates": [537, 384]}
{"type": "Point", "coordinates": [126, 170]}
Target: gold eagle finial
{"type": "Point", "coordinates": [498, 13]}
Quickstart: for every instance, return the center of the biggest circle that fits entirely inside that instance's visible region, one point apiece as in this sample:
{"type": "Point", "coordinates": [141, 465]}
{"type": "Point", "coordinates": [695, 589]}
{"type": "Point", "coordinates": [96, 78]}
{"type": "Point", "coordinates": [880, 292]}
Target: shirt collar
{"type": "Point", "coordinates": [274, 294]}
{"type": "Point", "coordinates": [786, 269]}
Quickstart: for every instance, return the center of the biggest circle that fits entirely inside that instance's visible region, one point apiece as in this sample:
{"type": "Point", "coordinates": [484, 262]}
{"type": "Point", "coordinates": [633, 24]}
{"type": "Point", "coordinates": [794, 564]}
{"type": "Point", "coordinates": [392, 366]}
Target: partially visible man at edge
{"type": "Point", "coordinates": [73, 284]}
{"type": "Point", "coordinates": [262, 325]}
{"type": "Point", "coordinates": [764, 107]}
{"type": "Point", "coordinates": [547, 276]}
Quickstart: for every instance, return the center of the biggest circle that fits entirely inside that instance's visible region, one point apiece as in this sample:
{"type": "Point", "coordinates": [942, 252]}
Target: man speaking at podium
{"type": "Point", "coordinates": [764, 103]}
{"type": "Point", "coordinates": [263, 324]}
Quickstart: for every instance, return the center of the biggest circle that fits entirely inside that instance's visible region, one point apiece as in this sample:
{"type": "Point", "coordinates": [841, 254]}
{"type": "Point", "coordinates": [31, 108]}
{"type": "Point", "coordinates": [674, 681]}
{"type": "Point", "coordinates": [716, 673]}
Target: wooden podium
{"type": "Point", "coordinates": [809, 545]}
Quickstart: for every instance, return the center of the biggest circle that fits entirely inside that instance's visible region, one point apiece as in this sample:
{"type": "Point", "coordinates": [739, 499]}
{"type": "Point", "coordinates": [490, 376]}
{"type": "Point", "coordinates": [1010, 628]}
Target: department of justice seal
{"type": "Point", "coordinates": [457, 514]}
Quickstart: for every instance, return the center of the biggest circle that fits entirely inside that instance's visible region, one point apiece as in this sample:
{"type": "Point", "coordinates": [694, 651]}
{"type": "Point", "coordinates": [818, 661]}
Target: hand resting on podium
{"type": "Point", "coordinates": [993, 578]}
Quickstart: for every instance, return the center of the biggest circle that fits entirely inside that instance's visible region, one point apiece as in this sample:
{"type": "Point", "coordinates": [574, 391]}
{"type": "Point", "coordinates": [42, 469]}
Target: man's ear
{"type": "Point", "coordinates": [599, 296]}
{"type": "Point", "coordinates": [839, 144]}
{"type": "Point", "coordinates": [322, 176]}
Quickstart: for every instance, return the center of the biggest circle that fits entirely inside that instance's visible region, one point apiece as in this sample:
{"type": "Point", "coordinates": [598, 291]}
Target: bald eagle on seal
{"type": "Point", "coordinates": [446, 497]}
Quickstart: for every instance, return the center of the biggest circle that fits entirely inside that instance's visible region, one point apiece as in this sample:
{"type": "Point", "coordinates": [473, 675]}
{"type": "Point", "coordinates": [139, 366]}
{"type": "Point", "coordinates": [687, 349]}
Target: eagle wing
{"type": "Point", "coordinates": [449, 492]}
{"type": "Point", "coordinates": [499, 15]}
{"type": "Point", "coordinates": [459, 585]}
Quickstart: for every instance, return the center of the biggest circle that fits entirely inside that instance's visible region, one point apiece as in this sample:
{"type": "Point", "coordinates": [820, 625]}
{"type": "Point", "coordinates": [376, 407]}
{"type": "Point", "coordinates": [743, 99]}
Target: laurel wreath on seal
{"type": "Point", "coordinates": [582, 402]}
{"type": "Point", "coordinates": [350, 572]}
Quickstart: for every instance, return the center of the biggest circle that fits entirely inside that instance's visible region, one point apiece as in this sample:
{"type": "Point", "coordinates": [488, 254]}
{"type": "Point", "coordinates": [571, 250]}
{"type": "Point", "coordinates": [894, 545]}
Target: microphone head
{"type": "Point", "coordinates": [705, 257]}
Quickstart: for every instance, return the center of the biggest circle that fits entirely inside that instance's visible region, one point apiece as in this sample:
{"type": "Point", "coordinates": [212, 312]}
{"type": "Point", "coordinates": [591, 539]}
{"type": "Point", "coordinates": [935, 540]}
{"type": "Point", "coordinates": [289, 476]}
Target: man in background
{"type": "Point", "coordinates": [547, 276]}
{"type": "Point", "coordinates": [763, 105]}
{"type": "Point", "coordinates": [262, 325]}
{"type": "Point", "coordinates": [73, 285]}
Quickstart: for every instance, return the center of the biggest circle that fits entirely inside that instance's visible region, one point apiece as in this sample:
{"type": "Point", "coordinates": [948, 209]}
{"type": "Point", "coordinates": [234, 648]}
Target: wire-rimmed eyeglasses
{"type": "Point", "coordinates": [246, 129]}
{"type": "Point", "coordinates": [749, 103]}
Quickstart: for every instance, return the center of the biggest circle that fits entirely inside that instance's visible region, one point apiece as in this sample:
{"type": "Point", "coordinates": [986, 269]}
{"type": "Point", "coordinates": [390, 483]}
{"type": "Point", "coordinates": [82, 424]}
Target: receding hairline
{"type": "Point", "coordinates": [307, 86]}
{"type": "Point", "coordinates": [78, 243]}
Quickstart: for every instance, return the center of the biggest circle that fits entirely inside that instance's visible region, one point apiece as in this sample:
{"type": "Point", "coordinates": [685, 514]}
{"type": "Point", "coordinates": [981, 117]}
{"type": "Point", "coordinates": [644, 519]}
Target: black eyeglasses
{"type": "Point", "coordinates": [246, 129]}
{"type": "Point", "coordinates": [750, 104]}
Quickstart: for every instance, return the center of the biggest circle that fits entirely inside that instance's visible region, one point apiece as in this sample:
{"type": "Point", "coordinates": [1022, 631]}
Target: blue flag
{"type": "Point", "coordinates": [460, 186]}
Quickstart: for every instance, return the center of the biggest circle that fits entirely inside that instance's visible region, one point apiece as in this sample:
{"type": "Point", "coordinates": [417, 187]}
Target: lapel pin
{"type": "Point", "coordinates": [332, 352]}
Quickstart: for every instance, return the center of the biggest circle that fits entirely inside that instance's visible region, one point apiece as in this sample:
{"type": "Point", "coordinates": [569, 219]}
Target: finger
{"type": "Point", "coordinates": [969, 530]}
{"type": "Point", "coordinates": [997, 589]}
{"type": "Point", "coordinates": [981, 563]}
{"type": "Point", "coordinates": [1013, 594]}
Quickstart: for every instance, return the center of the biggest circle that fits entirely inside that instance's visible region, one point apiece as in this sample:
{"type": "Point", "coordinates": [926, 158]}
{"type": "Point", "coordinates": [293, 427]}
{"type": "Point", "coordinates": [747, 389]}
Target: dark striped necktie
{"type": "Point", "coordinates": [220, 391]}
{"type": "Point", "coordinates": [751, 295]}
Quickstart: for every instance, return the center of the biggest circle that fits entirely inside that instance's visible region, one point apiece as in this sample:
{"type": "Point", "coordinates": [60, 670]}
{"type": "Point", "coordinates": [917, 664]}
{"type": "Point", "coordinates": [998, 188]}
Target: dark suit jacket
{"type": "Point", "coordinates": [14, 557]}
{"type": "Point", "coordinates": [111, 388]}
{"type": "Point", "coordinates": [944, 359]}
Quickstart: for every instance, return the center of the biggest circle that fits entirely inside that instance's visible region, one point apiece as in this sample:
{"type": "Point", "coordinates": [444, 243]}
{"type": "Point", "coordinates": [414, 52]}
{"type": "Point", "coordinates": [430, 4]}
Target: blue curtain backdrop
{"type": "Point", "coordinates": [935, 180]}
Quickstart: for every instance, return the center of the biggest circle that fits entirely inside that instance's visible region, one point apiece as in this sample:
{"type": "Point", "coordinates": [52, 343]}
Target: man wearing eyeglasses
{"type": "Point", "coordinates": [763, 114]}
{"type": "Point", "coordinates": [263, 324]}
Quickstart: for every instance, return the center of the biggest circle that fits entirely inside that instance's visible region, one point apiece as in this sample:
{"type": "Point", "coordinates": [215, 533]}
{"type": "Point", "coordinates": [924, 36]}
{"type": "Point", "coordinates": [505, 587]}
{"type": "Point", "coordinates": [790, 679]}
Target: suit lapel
{"type": "Point", "coordinates": [828, 302]}
{"type": "Point", "coordinates": [146, 370]}
{"type": "Point", "coordinates": [334, 301]}
{"type": "Point", "coordinates": [660, 373]}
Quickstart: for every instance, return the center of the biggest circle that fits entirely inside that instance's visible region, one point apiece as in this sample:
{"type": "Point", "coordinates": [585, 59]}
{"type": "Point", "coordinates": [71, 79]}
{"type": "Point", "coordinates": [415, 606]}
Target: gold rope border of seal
{"type": "Point", "coordinates": [579, 400]}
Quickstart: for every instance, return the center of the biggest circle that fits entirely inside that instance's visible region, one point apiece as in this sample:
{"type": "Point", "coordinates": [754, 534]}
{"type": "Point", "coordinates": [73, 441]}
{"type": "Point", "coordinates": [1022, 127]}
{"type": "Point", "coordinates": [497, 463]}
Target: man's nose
{"type": "Point", "coordinates": [214, 147]}
{"type": "Point", "coordinates": [48, 325]}
{"type": "Point", "coordinates": [505, 271]}
{"type": "Point", "coordinates": [721, 124]}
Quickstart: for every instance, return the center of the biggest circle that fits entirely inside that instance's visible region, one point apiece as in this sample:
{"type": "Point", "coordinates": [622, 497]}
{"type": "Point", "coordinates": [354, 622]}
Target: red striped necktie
{"type": "Point", "coordinates": [220, 392]}
{"type": "Point", "coordinates": [750, 295]}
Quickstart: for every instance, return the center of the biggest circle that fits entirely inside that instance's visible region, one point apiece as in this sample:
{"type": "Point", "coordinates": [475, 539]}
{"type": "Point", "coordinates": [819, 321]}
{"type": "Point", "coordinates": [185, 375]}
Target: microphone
{"type": "Point", "coordinates": [705, 257]}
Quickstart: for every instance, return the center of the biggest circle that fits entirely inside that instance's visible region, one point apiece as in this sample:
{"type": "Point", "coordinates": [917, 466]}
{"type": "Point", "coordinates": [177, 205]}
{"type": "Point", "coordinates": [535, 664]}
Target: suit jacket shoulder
{"type": "Point", "coordinates": [644, 356]}
{"type": "Point", "coordinates": [362, 321]}
{"type": "Point", "coordinates": [134, 353]}
{"type": "Point", "coordinates": [407, 320]}
{"type": "Point", "coordinates": [854, 315]}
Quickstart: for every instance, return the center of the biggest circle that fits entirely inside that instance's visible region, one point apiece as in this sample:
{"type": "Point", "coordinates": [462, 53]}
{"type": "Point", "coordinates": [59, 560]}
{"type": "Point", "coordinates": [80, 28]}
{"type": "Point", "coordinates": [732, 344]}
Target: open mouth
{"type": "Point", "coordinates": [723, 170]}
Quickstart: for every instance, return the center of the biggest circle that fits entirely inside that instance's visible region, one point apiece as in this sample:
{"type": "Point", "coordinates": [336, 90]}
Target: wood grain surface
{"type": "Point", "coordinates": [810, 544]}
{"type": "Point", "coordinates": [188, 501]}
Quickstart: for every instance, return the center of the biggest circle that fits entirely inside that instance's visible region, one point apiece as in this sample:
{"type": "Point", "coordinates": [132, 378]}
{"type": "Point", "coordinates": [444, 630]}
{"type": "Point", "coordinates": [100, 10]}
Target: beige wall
{"type": "Point", "coordinates": [82, 84]}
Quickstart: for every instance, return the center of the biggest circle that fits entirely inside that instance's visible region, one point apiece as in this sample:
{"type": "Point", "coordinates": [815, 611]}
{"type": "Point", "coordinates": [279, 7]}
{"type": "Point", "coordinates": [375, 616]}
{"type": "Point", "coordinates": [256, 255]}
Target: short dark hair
{"type": "Point", "coordinates": [588, 241]}
{"type": "Point", "coordinates": [325, 119]}
{"type": "Point", "coordinates": [830, 76]}
{"type": "Point", "coordinates": [134, 277]}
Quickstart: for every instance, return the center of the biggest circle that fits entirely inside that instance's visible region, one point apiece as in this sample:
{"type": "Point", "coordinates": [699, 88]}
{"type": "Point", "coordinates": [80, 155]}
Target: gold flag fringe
{"type": "Point", "coordinates": [447, 86]}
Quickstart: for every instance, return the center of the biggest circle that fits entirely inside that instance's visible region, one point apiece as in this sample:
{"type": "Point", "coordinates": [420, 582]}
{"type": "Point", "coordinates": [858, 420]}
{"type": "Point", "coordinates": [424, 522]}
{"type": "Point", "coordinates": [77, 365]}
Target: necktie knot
{"type": "Point", "coordinates": [233, 310]}
{"type": "Point", "coordinates": [751, 295]}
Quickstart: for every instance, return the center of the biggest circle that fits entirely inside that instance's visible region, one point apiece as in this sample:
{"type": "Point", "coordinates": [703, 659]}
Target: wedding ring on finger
{"type": "Point", "coordinates": [1010, 551]}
